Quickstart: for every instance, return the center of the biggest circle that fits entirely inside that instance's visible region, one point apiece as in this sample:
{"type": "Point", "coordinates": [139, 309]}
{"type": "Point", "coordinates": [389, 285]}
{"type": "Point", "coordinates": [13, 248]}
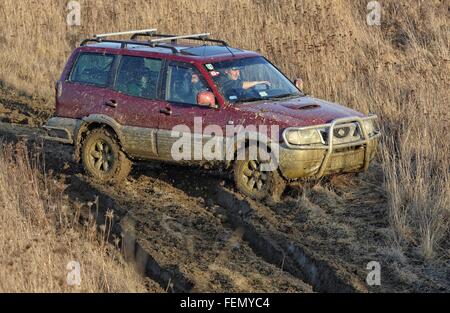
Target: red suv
{"type": "Point", "coordinates": [168, 98]}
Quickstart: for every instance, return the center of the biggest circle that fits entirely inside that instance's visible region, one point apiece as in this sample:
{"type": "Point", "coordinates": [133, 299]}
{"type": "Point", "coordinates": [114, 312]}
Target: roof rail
{"type": "Point", "coordinates": [124, 44]}
{"type": "Point", "coordinates": [175, 38]}
{"type": "Point", "coordinates": [143, 31]}
{"type": "Point", "coordinates": [170, 37]}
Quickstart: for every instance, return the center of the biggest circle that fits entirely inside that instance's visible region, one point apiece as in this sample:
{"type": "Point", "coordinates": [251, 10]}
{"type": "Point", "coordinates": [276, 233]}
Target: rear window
{"type": "Point", "coordinates": [92, 69]}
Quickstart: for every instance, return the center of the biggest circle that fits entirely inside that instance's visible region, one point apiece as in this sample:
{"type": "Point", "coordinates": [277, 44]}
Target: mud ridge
{"type": "Point", "coordinates": [169, 279]}
{"type": "Point", "coordinates": [124, 229]}
{"type": "Point", "coordinates": [292, 257]}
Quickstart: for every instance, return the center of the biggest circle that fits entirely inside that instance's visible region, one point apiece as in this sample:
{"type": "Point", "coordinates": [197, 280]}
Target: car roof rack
{"type": "Point", "coordinates": [156, 40]}
{"type": "Point", "coordinates": [124, 44]}
{"type": "Point", "coordinates": [102, 38]}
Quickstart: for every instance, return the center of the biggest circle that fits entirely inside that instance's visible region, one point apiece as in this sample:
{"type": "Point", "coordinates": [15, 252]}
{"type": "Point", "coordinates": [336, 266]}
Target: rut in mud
{"type": "Point", "coordinates": [277, 248]}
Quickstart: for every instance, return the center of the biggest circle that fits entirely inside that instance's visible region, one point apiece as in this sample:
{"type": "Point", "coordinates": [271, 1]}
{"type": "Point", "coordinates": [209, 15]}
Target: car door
{"type": "Point", "coordinates": [83, 91]}
{"type": "Point", "coordinates": [180, 116]}
{"type": "Point", "coordinates": [134, 98]}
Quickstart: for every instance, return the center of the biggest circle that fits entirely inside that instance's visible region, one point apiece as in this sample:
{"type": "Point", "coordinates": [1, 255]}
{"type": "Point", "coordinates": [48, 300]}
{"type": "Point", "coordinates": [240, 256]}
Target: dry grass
{"type": "Point", "coordinates": [399, 70]}
{"type": "Point", "coordinates": [39, 236]}
{"type": "Point", "coordinates": [418, 182]}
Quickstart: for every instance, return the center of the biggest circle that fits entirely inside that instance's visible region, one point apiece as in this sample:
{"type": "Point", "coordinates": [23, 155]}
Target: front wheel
{"type": "Point", "coordinates": [102, 157]}
{"type": "Point", "coordinates": [257, 184]}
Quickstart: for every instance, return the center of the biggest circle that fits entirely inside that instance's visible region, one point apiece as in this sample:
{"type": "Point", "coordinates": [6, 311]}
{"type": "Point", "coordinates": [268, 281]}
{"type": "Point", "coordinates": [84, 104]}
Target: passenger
{"type": "Point", "coordinates": [195, 86]}
{"type": "Point", "coordinates": [134, 77]}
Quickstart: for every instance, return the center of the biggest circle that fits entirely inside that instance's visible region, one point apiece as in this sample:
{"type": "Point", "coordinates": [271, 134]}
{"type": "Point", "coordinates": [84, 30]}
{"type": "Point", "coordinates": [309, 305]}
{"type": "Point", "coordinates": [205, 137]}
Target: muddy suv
{"type": "Point", "coordinates": [192, 99]}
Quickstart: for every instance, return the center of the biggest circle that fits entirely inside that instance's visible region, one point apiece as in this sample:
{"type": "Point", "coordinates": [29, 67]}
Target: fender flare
{"type": "Point", "coordinates": [93, 119]}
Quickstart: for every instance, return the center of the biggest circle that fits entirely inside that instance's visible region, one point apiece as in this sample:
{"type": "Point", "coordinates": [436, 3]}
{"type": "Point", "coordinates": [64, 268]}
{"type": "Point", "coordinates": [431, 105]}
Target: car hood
{"type": "Point", "coordinates": [297, 112]}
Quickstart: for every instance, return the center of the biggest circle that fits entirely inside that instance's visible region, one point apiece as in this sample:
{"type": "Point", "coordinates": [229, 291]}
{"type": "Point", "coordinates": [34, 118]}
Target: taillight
{"type": "Point", "coordinates": [58, 93]}
{"type": "Point", "coordinates": [58, 89]}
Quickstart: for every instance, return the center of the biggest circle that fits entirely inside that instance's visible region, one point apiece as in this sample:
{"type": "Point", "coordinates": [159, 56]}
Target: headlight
{"type": "Point", "coordinates": [303, 137]}
{"type": "Point", "coordinates": [370, 127]}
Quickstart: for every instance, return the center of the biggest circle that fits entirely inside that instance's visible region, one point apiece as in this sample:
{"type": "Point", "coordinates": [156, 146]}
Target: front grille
{"type": "Point", "coordinates": [343, 134]}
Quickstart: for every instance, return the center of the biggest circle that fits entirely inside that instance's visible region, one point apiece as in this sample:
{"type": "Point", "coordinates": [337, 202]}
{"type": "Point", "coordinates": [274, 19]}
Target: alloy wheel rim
{"type": "Point", "coordinates": [101, 156]}
{"type": "Point", "coordinates": [255, 180]}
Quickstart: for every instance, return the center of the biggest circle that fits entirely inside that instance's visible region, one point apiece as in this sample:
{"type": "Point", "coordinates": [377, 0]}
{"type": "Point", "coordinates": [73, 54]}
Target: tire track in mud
{"type": "Point", "coordinates": [163, 247]}
{"type": "Point", "coordinates": [182, 231]}
{"type": "Point", "coordinates": [277, 248]}
{"type": "Point", "coordinates": [265, 234]}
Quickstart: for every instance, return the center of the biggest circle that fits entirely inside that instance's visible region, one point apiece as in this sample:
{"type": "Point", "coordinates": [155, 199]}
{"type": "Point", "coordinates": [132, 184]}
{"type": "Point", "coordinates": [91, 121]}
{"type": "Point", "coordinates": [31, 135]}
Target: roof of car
{"type": "Point", "coordinates": [195, 52]}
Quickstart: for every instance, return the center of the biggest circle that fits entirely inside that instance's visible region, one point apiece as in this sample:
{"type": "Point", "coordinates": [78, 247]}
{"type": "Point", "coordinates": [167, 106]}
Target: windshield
{"type": "Point", "coordinates": [251, 79]}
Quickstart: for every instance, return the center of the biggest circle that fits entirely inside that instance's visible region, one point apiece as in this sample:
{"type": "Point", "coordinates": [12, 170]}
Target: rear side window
{"type": "Point", "coordinates": [92, 69]}
{"type": "Point", "coordinates": [138, 77]}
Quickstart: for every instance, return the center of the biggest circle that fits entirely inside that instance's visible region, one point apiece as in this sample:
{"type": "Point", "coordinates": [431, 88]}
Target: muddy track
{"type": "Point", "coordinates": [190, 231]}
{"type": "Point", "coordinates": [21, 109]}
{"type": "Point", "coordinates": [277, 248]}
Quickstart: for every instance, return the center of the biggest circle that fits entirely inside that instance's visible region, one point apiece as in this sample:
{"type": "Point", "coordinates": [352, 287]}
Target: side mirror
{"type": "Point", "coordinates": [206, 98]}
{"type": "Point", "coordinates": [299, 83]}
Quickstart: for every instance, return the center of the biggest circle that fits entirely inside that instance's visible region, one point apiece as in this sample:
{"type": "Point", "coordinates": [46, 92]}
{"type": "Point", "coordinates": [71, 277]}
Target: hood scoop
{"type": "Point", "coordinates": [308, 106]}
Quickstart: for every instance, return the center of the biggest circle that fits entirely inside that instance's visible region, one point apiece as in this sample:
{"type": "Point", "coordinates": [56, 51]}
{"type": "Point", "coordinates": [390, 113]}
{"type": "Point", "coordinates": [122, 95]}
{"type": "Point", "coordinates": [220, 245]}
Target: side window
{"type": "Point", "coordinates": [92, 69]}
{"type": "Point", "coordinates": [138, 77]}
{"type": "Point", "coordinates": [183, 83]}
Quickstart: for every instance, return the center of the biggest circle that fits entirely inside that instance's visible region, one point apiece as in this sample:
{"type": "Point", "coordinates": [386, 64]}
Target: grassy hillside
{"type": "Point", "coordinates": [40, 235]}
{"type": "Point", "coordinates": [399, 70]}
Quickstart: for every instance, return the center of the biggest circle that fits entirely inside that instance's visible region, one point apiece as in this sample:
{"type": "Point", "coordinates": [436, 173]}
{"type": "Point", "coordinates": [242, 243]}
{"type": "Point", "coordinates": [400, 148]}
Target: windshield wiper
{"type": "Point", "coordinates": [285, 95]}
{"type": "Point", "coordinates": [251, 100]}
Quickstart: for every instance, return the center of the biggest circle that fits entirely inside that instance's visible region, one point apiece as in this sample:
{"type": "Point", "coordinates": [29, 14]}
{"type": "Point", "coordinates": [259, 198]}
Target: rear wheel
{"type": "Point", "coordinates": [102, 157]}
{"type": "Point", "coordinates": [258, 184]}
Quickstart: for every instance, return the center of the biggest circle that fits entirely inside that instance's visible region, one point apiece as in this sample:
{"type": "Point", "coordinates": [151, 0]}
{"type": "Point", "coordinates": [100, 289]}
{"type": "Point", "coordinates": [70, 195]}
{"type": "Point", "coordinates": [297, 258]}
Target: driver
{"type": "Point", "coordinates": [234, 83]}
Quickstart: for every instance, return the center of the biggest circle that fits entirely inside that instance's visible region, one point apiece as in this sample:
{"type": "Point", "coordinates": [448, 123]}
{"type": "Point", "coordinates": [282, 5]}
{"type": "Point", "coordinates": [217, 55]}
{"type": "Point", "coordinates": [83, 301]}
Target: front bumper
{"type": "Point", "coordinates": [330, 157]}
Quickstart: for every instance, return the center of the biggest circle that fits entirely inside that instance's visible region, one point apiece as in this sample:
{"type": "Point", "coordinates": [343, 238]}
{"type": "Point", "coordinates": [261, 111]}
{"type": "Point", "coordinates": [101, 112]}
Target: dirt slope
{"type": "Point", "coordinates": [18, 108]}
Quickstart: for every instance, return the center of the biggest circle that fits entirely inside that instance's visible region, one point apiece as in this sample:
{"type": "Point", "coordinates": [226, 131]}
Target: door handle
{"type": "Point", "coordinates": [111, 103]}
{"type": "Point", "coordinates": [166, 111]}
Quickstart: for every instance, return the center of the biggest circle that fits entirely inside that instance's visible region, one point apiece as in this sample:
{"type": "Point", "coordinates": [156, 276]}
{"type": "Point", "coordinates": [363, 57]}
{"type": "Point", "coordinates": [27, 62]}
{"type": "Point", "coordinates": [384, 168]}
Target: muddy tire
{"type": "Point", "coordinates": [103, 158]}
{"type": "Point", "coordinates": [257, 184]}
